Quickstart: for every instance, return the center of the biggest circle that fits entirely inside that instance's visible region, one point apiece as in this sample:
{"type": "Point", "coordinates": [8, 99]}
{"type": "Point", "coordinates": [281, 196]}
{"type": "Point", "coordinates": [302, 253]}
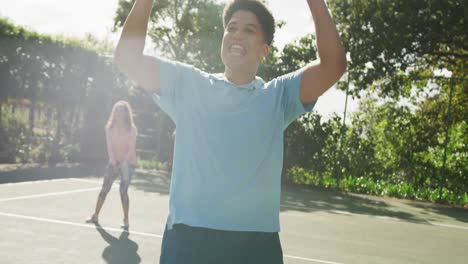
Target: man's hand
{"type": "Point", "coordinates": [319, 76]}
{"type": "Point", "coordinates": [129, 52]}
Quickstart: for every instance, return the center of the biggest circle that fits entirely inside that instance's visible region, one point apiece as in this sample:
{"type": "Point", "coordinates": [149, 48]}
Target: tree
{"type": "Point", "coordinates": [391, 40]}
{"type": "Point", "coordinates": [189, 31]}
{"type": "Point", "coordinates": [68, 79]}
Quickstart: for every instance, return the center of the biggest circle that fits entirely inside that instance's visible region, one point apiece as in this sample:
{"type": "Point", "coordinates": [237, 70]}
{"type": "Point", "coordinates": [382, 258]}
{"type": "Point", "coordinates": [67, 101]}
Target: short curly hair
{"type": "Point", "coordinates": [264, 16]}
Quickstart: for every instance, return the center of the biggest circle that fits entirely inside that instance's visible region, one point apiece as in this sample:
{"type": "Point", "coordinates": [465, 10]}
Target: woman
{"type": "Point", "coordinates": [121, 135]}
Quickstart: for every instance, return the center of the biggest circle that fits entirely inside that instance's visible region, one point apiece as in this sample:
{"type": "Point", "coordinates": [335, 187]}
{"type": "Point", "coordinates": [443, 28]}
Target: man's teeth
{"type": "Point", "coordinates": [237, 50]}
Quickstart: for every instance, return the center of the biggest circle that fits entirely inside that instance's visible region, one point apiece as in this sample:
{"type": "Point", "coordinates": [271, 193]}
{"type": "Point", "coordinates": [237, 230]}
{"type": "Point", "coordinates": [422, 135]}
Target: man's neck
{"type": "Point", "coordinates": [239, 78]}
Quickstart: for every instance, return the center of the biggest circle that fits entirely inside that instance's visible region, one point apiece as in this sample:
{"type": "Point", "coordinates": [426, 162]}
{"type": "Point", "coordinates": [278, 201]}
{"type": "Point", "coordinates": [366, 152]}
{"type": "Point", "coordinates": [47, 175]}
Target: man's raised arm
{"type": "Point", "coordinates": [129, 52]}
{"type": "Point", "coordinates": [321, 75]}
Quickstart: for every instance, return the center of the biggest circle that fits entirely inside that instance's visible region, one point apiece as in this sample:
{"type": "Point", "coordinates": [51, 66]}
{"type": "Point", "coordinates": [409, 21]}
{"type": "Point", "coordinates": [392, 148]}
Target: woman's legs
{"type": "Point", "coordinates": [125, 207]}
{"type": "Point", "coordinates": [126, 169]}
{"type": "Point", "coordinates": [109, 179]}
{"type": "Point", "coordinates": [99, 204]}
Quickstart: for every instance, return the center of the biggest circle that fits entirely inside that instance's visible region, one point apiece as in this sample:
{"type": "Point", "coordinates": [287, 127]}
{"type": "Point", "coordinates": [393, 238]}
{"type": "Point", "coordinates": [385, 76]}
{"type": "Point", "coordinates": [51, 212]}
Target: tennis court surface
{"type": "Point", "coordinates": [43, 212]}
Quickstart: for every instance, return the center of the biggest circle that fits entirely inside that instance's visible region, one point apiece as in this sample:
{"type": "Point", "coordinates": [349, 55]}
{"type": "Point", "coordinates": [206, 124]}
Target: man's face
{"type": "Point", "coordinates": [243, 43]}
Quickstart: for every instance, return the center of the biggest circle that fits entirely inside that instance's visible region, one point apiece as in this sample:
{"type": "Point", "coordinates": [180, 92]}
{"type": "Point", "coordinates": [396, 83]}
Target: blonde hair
{"type": "Point", "coordinates": [127, 112]}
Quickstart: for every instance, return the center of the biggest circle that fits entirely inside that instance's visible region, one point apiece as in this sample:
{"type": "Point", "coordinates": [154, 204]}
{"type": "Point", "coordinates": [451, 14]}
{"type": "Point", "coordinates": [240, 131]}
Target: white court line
{"type": "Point", "coordinates": [86, 180]}
{"type": "Point", "coordinates": [341, 212]}
{"type": "Point", "coordinates": [33, 182]}
{"type": "Point", "coordinates": [50, 194]}
{"type": "Point", "coordinates": [113, 186]}
{"type": "Point", "coordinates": [450, 226]}
{"type": "Point", "coordinates": [50, 181]}
{"type": "Point", "coordinates": [91, 226]}
{"type": "Point", "coordinates": [312, 260]}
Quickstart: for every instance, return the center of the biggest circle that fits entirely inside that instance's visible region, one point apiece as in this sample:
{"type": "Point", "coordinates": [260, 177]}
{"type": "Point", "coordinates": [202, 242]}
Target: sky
{"type": "Point", "coordinates": [78, 17]}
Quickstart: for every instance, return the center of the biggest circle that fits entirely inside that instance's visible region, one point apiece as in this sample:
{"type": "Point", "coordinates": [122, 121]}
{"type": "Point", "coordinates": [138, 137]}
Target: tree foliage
{"type": "Point", "coordinates": [388, 40]}
{"type": "Point", "coordinates": [63, 78]}
{"type": "Point", "coordinates": [189, 31]}
{"type": "Point", "coordinates": [393, 145]}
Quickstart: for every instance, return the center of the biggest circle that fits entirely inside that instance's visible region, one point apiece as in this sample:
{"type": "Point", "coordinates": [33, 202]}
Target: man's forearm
{"type": "Point", "coordinates": [329, 47]}
{"type": "Point", "coordinates": [132, 39]}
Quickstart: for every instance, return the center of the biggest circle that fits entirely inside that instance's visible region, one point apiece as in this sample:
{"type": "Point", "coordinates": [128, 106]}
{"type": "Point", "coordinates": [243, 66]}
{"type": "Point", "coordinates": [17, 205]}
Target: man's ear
{"type": "Point", "coordinates": [265, 50]}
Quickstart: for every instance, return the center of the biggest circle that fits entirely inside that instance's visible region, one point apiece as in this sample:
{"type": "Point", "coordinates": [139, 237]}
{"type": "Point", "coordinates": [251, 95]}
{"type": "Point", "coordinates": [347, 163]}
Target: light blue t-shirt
{"type": "Point", "coordinates": [228, 151]}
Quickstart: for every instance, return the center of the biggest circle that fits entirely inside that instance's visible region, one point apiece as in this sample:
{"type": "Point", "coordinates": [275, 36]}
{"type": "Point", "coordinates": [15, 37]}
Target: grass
{"type": "Point", "coordinates": [153, 165]}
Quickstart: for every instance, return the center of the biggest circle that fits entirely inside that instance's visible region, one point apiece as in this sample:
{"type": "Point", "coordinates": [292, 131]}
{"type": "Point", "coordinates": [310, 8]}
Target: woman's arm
{"type": "Point", "coordinates": [110, 151]}
{"type": "Point", "coordinates": [131, 153]}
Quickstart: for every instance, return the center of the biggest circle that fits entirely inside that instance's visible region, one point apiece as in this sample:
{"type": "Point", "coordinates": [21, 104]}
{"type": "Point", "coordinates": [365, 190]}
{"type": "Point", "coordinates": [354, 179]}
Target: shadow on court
{"type": "Point", "coordinates": [157, 182]}
{"type": "Point", "coordinates": [296, 198]}
{"type": "Point", "coordinates": [292, 197]}
{"type": "Point", "coordinates": [460, 214]}
{"type": "Point", "coordinates": [121, 250]}
{"type": "Point", "coordinates": [310, 200]}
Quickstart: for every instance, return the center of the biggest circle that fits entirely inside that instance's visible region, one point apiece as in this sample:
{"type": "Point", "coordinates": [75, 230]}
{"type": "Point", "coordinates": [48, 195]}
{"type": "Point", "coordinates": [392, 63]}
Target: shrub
{"type": "Point", "coordinates": [14, 139]}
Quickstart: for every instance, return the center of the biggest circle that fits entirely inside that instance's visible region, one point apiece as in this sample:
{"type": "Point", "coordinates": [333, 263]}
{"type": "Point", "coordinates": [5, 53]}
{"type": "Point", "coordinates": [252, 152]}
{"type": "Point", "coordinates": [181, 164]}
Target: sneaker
{"type": "Point", "coordinates": [93, 220]}
{"type": "Point", "coordinates": [125, 224]}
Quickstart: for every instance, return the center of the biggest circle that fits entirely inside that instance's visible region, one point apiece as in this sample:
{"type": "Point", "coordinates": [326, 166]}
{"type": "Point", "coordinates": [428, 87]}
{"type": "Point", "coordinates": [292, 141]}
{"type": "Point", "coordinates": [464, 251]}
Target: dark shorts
{"type": "Point", "coordinates": [125, 177]}
{"type": "Point", "coordinates": [193, 245]}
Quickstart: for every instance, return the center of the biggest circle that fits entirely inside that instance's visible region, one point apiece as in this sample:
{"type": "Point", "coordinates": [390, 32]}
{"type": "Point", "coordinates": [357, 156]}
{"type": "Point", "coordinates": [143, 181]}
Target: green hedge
{"type": "Point", "coordinates": [367, 185]}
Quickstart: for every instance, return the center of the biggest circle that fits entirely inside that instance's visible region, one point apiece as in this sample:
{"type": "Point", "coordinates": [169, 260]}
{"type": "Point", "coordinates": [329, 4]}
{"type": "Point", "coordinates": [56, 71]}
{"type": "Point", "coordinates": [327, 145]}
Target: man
{"type": "Point", "coordinates": [225, 189]}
